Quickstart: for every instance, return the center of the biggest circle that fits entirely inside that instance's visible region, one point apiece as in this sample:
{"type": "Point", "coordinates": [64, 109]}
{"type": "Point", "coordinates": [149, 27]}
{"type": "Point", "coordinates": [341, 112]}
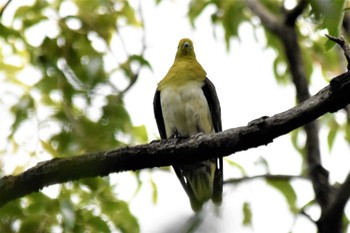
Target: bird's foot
{"type": "Point", "coordinates": [198, 135]}
{"type": "Point", "coordinates": [155, 141]}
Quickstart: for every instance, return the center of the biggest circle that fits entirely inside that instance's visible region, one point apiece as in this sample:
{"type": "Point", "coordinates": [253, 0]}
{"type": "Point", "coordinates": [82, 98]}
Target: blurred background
{"type": "Point", "coordinates": [78, 76]}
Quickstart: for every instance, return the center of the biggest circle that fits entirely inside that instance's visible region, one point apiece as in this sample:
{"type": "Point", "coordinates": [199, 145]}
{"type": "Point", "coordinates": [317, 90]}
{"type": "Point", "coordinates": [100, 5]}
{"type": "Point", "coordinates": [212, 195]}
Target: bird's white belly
{"type": "Point", "coordinates": [185, 111]}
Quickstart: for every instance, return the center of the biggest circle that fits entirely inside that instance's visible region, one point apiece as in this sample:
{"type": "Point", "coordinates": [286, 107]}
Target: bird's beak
{"type": "Point", "coordinates": [186, 45]}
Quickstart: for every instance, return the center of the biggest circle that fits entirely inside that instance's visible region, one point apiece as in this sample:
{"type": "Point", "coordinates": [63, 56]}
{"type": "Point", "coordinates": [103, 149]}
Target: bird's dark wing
{"type": "Point", "coordinates": [214, 104]}
{"type": "Point", "coordinates": [215, 110]}
{"type": "Point", "coordinates": [157, 108]}
{"type": "Point", "coordinates": [195, 204]}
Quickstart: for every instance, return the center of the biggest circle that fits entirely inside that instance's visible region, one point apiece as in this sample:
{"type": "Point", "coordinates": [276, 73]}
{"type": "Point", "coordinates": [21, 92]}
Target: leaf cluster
{"type": "Point", "coordinates": [65, 84]}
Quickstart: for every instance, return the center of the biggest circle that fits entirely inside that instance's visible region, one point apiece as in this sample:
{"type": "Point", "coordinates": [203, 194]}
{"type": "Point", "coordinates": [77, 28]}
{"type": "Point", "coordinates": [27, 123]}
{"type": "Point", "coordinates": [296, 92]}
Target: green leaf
{"type": "Point", "coordinates": [154, 191]}
{"type": "Point", "coordinates": [262, 162]}
{"type": "Point", "coordinates": [140, 132]}
{"type": "Point", "coordinates": [232, 18]}
{"type": "Point", "coordinates": [96, 184]}
{"type": "Point", "coordinates": [295, 142]}
{"type": "Point", "coordinates": [120, 215]}
{"type": "Point", "coordinates": [39, 214]}
{"type": "Point", "coordinates": [11, 210]}
{"type": "Point", "coordinates": [332, 133]}
{"type": "Point", "coordinates": [347, 132]}
{"type": "Point", "coordinates": [40, 203]}
{"type": "Point", "coordinates": [99, 225]}
{"type": "Point", "coordinates": [286, 189]}
{"type": "Point", "coordinates": [22, 110]}
{"type": "Point", "coordinates": [236, 165]}
{"type": "Point", "coordinates": [71, 96]}
{"type": "Point", "coordinates": [141, 60]}
{"type": "Point", "coordinates": [272, 5]}
{"type": "Point", "coordinates": [329, 13]}
{"type": "Point", "coordinates": [68, 214]}
{"type": "Point", "coordinates": [345, 222]}
{"type": "Point", "coordinates": [129, 14]}
{"type": "Point", "coordinates": [48, 148]}
{"type": "Point", "coordinates": [247, 214]}
{"type": "Point", "coordinates": [280, 70]}
{"type": "Point", "coordinates": [230, 14]}
{"type": "Point", "coordinates": [196, 8]}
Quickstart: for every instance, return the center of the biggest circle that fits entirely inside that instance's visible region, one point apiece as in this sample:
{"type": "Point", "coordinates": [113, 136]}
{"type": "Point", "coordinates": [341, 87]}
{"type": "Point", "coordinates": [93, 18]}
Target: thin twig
{"type": "Point", "coordinates": [4, 7]}
{"type": "Point", "coordinates": [341, 42]}
{"type": "Point", "coordinates": [136, 74]}
{"type": "Point", "coordinates": [264, 176]}
{"type": "Point", "coordinates": [302, 212]}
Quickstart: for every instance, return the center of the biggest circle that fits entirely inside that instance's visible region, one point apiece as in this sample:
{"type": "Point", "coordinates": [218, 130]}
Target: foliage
{"type": "Point", "coordinates": [74, 101]}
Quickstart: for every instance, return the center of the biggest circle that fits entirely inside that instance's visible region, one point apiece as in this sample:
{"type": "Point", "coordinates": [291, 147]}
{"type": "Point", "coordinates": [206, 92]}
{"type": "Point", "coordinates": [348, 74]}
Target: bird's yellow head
{"type": "Point", "coordinates": [185, 67]}
{"type": "Point", "coordinates": [185, 49]}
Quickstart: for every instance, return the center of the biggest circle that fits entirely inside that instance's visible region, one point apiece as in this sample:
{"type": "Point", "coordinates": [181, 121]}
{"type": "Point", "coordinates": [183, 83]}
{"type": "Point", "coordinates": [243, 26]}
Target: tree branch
{"type": "Point", "coordinates": [267, 19]}
{"type": "Point", "coordinates": [292, 15]}
{"type": "Point", "coordinates": [285, 30]}
{"type": "Point", "coordinates": [329, 219]}
{"type": "Point", "coordinates": [264, 176]}
{"type": "Point", "coordinates": [176, 151]}
{"type": "Point", "coordinates": [4, 7]}
{"type": "Point", "coordinates": [341, 42]}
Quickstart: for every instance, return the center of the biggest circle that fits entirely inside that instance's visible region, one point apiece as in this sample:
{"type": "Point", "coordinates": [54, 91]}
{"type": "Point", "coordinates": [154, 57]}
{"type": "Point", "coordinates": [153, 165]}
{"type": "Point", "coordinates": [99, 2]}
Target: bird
{"type": "Point", "coordinates": [186, 104]}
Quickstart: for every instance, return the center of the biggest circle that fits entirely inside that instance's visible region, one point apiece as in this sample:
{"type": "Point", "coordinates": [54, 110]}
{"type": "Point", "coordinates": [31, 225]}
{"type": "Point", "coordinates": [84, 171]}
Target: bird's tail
{"type": "Point", "coordinates": [199, 183]}
{"type": "Point", "coordinates": [218, 182]}
{"type": "Point", "coordinates": [200, 178]}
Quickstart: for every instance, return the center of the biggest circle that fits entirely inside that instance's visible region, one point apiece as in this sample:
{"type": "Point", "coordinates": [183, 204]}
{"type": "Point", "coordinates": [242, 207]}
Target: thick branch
{"type": "Point", "coordinates": [292, 15]}
{"type": "Point", "coordinates": [329, 219]}
{"type": "Point", "coordinates": [175, 151]}
{"type": "Point", "coordinates": [285, 30]}
{"type": "Point", "coordinates": [267, 19]}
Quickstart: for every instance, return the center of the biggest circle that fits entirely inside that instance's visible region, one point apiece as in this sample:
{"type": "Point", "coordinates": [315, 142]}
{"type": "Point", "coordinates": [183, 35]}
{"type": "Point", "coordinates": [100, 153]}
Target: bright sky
{"type": "Point", "coordinates": [247, 90]}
